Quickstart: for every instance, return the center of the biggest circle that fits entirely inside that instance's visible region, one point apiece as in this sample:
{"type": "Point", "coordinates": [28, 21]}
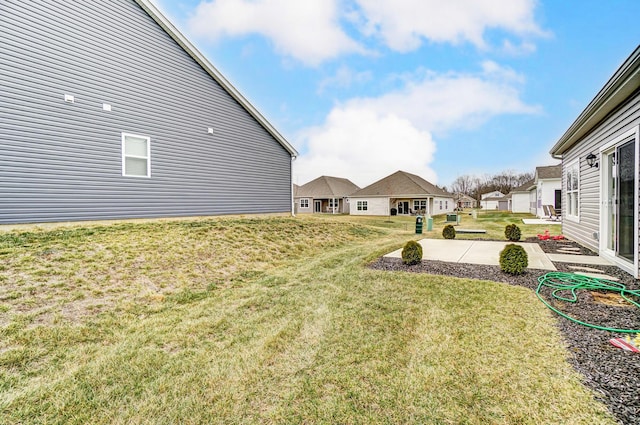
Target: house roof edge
{"type": "Point", "coordinates": [155, 13]}
{"type": "Point", "coordinates": [624, 82]}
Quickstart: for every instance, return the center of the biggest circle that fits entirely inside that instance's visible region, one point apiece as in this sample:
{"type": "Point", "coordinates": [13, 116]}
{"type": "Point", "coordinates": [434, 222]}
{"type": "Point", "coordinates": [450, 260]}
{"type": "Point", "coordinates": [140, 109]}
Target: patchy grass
{"type": "Point", "coordinates": [266, 321]}
{"type": "Point", "coordinates": [494, 222]}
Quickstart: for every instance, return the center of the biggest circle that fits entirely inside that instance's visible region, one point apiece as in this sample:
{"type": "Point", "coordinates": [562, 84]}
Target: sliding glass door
{"type": "Point", "coordinates": [620, 191]}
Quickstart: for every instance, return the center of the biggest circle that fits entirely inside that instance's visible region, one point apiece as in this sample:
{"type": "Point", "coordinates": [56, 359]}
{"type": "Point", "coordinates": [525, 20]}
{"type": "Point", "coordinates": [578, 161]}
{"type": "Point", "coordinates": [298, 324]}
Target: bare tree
{"type": "Point", "coordinates": [475, 186]}
{"type": "Point", "coordinates": [463, 184]}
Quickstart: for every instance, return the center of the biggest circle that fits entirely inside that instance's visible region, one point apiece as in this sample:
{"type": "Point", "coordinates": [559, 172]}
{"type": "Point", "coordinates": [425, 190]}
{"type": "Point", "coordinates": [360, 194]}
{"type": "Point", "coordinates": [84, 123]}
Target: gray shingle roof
{"type": "Point", "coordinates": [326, 187]}
{"type": "Point", "coordinates": [549, 172]}
{"type": "Point", "coordinates": [401, 184]}
{"type": "Point", "coordinates": [525, 187]}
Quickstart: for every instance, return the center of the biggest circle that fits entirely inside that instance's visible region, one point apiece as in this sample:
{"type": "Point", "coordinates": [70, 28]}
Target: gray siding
{"type": "Point", "coordinates": [622, 120]}
{"type": "Point", "coordinates": [62, 161]}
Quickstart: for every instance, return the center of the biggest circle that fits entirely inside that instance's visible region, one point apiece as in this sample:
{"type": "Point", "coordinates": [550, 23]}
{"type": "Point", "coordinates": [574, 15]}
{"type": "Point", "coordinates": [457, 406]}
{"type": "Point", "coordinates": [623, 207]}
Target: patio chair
{"type": "Point", "coordinates": [553, 215]}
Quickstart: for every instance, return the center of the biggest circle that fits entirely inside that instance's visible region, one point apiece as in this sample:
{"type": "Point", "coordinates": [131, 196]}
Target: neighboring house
{"type": "Point", "coordinates": [494, 194]}
{"type": "Point", "coordinates": [406, 193]}
{"type": "Point", "coordinates": [600, 174]}
{"type": "Point", "coordinates": [548, 184]}
{"type": "Point", "coordinates": [465, 201]}
{"type": "Point", "coordinates": [108, 112]}
{"type": "Point", "coordinates": [324, 195]}
{"type": "Point", "coordinates": [520, 197]}
{"type": "Point", "coordinates": [494, 201]}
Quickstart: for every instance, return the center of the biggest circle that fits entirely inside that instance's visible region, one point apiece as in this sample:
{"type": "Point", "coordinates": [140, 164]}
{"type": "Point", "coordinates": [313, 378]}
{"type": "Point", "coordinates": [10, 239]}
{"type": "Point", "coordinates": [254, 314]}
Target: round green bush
{"type": "Point", "coordinates": [449, 232]}
{"type": "Point", "coordinates": [412, 253]}
{"type": "Point", "coordinates": [513, 259]}
{"type": "Point", "coordinates": [512, 232]}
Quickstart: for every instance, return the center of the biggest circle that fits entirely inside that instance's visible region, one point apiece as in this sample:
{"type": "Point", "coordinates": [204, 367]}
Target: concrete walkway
{"type": "Point", "coordinates": [488, 252]}
{"type": "Point", "coordinates": [476, 252]}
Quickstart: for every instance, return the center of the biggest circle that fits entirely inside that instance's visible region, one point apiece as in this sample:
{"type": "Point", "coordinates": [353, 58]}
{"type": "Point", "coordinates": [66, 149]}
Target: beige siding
{"type": "Point", "coordinates": [624, 119]}
{"type": "Point", "coordinates": [375, 206]}
{"type": "Point", "coordinates": [448, 205]}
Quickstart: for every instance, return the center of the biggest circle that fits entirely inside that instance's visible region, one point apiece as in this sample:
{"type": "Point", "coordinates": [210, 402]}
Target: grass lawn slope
{"type": "Point", "coordinates": [266, 320]}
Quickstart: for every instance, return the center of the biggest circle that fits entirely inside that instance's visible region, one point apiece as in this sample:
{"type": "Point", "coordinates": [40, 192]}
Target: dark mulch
{"type": "Point", "coordinates": [613, 374]}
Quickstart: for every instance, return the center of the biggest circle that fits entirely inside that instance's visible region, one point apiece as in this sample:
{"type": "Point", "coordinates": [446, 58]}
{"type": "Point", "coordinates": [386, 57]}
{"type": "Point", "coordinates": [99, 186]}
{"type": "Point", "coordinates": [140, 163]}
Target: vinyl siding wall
{"type": "Point", "coordinates": [375, 206]}
{"type": "Point", "coordinates": [63, 161]}
{"type": "Point", "coordinates": [546, 194]}
{"type": "Point", "coordinates": [624, 119]}
{"type": "Point", "coordinates": [448, 205]}
{"type": "Point", "coordinates": [520, 202]}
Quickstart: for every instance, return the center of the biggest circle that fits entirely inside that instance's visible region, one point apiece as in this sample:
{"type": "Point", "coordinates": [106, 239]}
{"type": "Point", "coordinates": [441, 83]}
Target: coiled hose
{"type": "Point", "coordinates": [570, 283]}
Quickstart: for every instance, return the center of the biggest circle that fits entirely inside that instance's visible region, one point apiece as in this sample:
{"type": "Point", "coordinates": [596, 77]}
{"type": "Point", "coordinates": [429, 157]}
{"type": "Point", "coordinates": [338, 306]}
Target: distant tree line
{"type": "Point", "coordinates": [474, 186]}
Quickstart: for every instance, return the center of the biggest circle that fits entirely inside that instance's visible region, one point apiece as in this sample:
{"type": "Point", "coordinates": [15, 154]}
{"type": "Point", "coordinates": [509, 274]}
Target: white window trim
{"type": "Point", "coordinates": [148, 157]}
{"type": "Point", "coordinates": [306, 201]}
{"type": "Point", "coordinates": [632, 269]}
{"type": "Point", "coordinates": [575, 218]}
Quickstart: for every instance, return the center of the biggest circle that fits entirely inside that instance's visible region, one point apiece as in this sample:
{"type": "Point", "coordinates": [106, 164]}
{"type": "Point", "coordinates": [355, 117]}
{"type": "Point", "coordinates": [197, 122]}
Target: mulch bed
{"type": "Point", "coordinates": [612, 373]}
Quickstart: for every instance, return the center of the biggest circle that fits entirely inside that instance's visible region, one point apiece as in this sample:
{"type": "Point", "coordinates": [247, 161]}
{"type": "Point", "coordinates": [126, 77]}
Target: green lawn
{"type": "Point", "coordinates": [267, 320]}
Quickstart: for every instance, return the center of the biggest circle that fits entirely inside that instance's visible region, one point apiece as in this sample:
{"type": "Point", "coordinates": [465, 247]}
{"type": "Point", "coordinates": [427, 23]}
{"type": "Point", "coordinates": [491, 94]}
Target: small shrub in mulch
{"type": "Point", "coordinates": [411, 253]}
{"type": "Point", "coordinates": [449, 232]}
{"type": "Point", "coordinates": [513, 259]}
{"type": "Point", "coordinates": [512, 232]}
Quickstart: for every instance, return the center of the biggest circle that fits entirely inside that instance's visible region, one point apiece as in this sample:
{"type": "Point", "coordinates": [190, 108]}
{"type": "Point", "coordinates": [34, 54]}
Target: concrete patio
{"type": "Point", "coordinates": [488, 252]}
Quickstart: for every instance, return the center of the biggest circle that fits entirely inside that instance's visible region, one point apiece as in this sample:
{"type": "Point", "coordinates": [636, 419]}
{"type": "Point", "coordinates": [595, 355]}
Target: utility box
{"type": "Point", "coordinates": [429, 224]}
{"type": "Point", "coordinates": [419, 223]}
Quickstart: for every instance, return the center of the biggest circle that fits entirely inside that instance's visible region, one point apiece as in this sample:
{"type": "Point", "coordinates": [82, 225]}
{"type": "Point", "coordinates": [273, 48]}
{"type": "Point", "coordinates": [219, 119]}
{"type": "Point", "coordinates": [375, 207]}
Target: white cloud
{"type": "Point", "coordinates": [403, 24]}
{"type": "Point", "coordinates": [524, 48]}
{"type": "Point", "coordinates": [364, 146]}
{"type": "Point", "coordinates": [365, 139]}
{"type": "Point", "coordinates": [307, 30]}
{"type": "Point", "coordinates": [439, 102]}
{"type": "Point", "coordinates": [345, 77]}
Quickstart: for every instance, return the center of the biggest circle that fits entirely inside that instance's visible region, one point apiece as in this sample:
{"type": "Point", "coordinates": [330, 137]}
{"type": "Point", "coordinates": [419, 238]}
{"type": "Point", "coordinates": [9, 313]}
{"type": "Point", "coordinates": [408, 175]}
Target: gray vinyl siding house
{"type": "Point", "coordinates": [601, 200]}
{"type": "Point", "coordinates": [108, 112]}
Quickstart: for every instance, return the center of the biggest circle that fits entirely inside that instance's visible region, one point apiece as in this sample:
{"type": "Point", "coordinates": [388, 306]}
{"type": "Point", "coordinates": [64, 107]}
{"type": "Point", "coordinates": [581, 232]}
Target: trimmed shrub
{"type": "Point", "coordinates": [512, 232]}
{"type": "Point", "coordinates": [412, 253]}
{"type": "Point", "coordinates": [449, 232]}
{"type": "Point", "coordinates": [513, 259]}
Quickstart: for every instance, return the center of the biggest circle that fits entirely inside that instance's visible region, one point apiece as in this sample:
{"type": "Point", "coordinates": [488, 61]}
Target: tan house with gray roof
{"type": "Point", "coordinates": [324, 195]}
{"type": "Point", "coordinates": [403, 193]}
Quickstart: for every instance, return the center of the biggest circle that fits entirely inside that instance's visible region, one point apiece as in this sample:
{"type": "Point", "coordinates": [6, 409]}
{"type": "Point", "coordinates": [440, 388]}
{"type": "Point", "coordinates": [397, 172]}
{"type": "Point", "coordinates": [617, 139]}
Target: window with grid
{"type": "Point", "coordinates": [136, 155]}
{"type": "Point", "coordinates": [572, 190]}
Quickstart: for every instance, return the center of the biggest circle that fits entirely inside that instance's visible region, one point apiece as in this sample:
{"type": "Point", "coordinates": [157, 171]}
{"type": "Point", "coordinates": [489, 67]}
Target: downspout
{"type": "Point", "coordinates": [293, 203]}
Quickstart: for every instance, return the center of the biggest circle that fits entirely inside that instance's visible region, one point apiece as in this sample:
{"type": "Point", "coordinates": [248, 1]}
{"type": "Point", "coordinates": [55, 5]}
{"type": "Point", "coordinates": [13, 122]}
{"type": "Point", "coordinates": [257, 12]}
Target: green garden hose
{"type": "Point", "coordinates": [561, 283]}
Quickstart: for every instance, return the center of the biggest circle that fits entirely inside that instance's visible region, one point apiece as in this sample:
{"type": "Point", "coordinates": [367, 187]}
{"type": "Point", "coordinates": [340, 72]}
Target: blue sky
{"type": "Point", "coordinates": [363, 88]}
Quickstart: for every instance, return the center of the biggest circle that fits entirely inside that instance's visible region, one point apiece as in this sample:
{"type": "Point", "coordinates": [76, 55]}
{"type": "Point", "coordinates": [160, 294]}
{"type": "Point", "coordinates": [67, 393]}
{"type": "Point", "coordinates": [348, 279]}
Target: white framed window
{"type": "Point", "coordinates": [363, 205]}
{"type": "Point", "coordinates": [573, 191]}
{"type": "Point", "coordinates": [446, 205]}
{"type": "Point", "coordinates": [440, 204]}
{"type": "Point", "coordinates": [333, 203]}
{"type": "Point", "coordinates": [420, 204]}
{"type": "Point", "coordinates": [304, 203]}
{"type": "Point", "coordinates": [136, 155]}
